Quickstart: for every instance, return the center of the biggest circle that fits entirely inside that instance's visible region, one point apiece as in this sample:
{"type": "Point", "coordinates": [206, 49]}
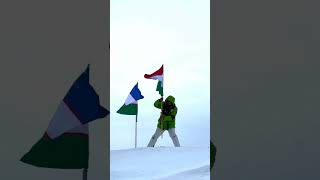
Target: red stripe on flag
{"type": "Point", "coordinates": [46, 135]}
{"type": "Point", "coordinates": [75, 133]}
{"type": "Point", "coordinates": [159, 72]}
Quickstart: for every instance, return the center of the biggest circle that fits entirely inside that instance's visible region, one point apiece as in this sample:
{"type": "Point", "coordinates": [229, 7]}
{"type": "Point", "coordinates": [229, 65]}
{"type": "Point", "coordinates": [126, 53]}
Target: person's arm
{"type": "Point", "coordinates": [174, 113]}
{"type": "Point", "coordinates": [158, 103]}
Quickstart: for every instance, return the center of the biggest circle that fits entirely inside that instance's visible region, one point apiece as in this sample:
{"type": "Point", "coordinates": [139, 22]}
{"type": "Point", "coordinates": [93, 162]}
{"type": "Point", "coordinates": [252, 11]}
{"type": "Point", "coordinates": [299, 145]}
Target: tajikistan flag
{"type": "Point", "coordinates": [65, 144]}
{"type": "Point", "coordinates": [157, 75]}
{"type": "Point", "coordinates": [130, 106]}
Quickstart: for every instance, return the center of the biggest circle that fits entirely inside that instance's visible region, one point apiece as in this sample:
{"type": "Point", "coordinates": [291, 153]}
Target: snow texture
{"type": "Point", "coordinates": [160, 163]}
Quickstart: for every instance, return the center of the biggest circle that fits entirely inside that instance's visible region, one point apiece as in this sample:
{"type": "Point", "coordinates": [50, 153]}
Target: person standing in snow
{"type": "Point", "coordinates": [166, 120]}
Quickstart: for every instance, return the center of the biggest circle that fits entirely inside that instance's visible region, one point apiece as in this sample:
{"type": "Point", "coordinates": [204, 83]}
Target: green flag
{"type": "Point", "coordinates": [160, 88]}
{"type": "Point", "coordinates": [130, 109]}
{"type": "Point", "coordinates": [68, 151]}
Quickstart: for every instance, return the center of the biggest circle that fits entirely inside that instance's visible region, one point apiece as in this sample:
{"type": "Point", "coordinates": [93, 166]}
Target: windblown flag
{"type": "Point", "coordinates": [65, 144]}
{"type": "Point", "coordinates": [157, 75]}
{"type": "Point", "coordinates": [130, 106]}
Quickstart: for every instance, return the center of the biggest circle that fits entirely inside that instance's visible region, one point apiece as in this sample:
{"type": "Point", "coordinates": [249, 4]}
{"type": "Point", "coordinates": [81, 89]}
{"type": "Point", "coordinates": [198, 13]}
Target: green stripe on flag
{"type": "Point", "coordinates": [160, 88]}
{"type": "Point", "coordinates": [130, 109]}
{"type": "Point", "coordinates": [69, 151]}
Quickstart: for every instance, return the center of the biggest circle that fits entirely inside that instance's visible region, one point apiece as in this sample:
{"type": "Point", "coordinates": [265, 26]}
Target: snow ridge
{"type": "Point", "coordinates": [160, 163]}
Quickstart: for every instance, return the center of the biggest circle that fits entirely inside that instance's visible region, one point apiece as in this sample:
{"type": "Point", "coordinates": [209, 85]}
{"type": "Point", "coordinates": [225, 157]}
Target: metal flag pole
{"type": "Point", "coordinates": [161, 118]}
{"type": "Point", "coordinates": [135, 143]}
{"type": "Point", "coordinates": [162, 102]}
{"type": "Point", "coordinates": [85, 170]}
{"type": "Point", "coordinates": [85, 174]}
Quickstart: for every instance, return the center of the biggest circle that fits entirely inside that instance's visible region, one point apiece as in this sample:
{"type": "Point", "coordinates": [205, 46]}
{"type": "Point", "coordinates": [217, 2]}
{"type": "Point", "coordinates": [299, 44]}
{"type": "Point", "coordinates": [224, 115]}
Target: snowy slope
{"type": "Point", "coordinates": [160, 163]}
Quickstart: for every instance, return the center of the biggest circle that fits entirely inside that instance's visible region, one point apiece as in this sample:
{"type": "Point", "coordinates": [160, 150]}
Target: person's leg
{"type": "Point", "coordinates": [174, 137]}
{"type": "Point", "coordinates": [154, 138]}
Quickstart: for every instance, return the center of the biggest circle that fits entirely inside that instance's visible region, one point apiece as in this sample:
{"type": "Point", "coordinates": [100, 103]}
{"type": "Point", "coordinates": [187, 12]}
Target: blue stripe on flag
{"type": "Point", "coordinates": [84, 101]}
{"type": "Point", "coordinates": [136, 93]}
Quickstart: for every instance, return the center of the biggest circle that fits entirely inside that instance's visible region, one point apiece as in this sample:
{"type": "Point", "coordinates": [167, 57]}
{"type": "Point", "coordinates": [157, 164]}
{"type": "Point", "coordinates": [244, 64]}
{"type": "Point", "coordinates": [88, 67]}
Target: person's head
{"type": "Point", "coordinates": [170, 100]}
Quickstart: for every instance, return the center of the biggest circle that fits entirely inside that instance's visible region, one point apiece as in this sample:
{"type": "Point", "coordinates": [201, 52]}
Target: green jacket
{"type": "Point", "coordinates": [169, 120]}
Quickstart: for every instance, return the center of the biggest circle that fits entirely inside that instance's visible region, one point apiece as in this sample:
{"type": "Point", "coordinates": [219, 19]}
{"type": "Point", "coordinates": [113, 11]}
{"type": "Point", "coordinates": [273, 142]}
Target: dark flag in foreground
{"type": "Point", "coordinates": [65, 144]}
{"type": "Point", "coordinates": [213, 152]}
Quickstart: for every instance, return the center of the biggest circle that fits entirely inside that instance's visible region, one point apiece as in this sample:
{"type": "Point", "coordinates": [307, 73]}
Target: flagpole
{"type": "Point", "coordinates": [135, 142]}
{"type": "Point", "coordinates": [85, 174]}
{"type": "Point", "coordinates": [162, 100]}
{"type": "Point", "coordinates": [161, 117]}
{"type": "Point", "coordinates": [85, 170]}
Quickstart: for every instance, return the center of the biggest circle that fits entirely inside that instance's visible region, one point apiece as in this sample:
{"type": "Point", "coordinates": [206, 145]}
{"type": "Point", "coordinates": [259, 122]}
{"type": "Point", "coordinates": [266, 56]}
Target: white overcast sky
{"type": "Point", "coordinates": [144, 34]}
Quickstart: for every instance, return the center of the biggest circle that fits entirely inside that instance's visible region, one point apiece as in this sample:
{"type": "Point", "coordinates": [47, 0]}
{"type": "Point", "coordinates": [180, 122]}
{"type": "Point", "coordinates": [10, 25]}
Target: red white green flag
{"type": "Point", "coordinates": [157, 75]}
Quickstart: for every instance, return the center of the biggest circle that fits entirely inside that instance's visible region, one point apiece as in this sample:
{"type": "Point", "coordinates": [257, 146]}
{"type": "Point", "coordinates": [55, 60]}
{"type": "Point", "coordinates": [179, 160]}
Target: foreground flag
{"type": "Point", "coordinates": [213, 152]}
{"type": "Point", "coordinates": [157, 75]}
{"type": "Point", "coordinates": [65, 144]}
{"type": "Point", "coordinates": [130, 106]}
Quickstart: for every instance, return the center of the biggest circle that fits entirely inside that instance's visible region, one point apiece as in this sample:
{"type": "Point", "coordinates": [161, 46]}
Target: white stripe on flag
{"type": "Point", "coordinates": [160, 78]}
{"type": "Point", "coordinates": [130, 100]}
{"type": "Point", "coordinates": [62, 121]}
{"type": "Point", "coordinates": [82, 129]}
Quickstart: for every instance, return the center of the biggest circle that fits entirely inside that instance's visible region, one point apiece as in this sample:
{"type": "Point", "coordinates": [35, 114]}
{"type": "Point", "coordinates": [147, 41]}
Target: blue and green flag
{"type": "Point", "coordinates": [65, 144]}
{"type": "Point", "coordinates": [130, 106]}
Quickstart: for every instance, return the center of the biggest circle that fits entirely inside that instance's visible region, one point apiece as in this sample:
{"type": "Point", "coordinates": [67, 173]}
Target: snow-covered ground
{"type": "Point", "coordinates": [160, 163]}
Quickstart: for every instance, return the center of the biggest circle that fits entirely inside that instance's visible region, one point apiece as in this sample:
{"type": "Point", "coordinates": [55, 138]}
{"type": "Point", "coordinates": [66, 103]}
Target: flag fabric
{"type": "Point", "coordinates": [130, 106]}
{"type": "Point", "coordinates": [65, 144]}
{"type": "Point", "coordinates": [157, 75]}
{"type": "Point", "coordinates": [68, 151]}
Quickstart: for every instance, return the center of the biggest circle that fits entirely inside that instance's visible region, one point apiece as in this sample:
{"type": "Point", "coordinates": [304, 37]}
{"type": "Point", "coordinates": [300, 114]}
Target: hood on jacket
{"type": "Point", "coordinates": [170, 99]}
